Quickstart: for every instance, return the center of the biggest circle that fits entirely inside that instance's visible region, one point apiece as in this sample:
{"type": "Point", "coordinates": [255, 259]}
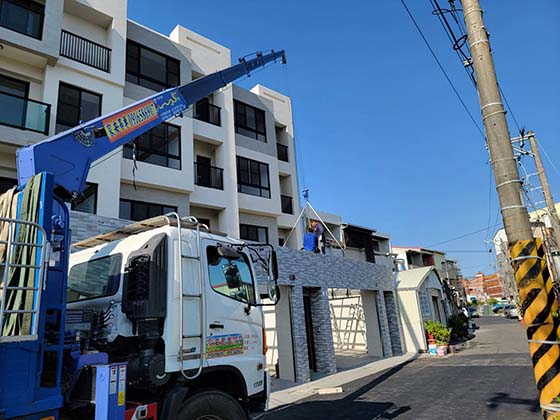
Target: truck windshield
{"type": "Point", "coordinates": [231, 278]}
{"type": "Point", "coordinates": [94, 278]}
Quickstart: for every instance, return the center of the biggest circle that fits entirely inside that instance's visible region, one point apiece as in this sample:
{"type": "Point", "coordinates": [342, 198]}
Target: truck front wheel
{"type": "Point", "coordinates": [211, 405]}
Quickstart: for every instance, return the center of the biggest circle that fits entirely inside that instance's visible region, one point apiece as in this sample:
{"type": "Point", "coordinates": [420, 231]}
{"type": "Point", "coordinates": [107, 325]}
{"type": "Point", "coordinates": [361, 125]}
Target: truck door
{"type": "Point", "coordinates": [234, 331]}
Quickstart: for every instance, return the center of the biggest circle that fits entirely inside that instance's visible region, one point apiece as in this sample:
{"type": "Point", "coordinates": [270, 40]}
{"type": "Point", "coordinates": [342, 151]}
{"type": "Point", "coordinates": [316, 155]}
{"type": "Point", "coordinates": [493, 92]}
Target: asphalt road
{"type": "Point", "coordinates": [493, 379]}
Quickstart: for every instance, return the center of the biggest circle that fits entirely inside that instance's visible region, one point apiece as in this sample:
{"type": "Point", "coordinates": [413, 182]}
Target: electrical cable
{"type": "Point", "coordinates": [463, 236]}
{"type": "Point", "coordinates": [442, 69]}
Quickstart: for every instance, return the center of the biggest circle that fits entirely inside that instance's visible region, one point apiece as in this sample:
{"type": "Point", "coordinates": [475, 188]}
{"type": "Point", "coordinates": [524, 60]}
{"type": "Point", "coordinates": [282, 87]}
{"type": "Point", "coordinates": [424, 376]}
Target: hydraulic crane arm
{"type": "Point", "coordinates": [69, 155]}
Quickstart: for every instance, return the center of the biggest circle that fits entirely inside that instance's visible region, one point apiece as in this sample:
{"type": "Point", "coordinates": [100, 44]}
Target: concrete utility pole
{"type": "Point", "coordinates": [529, 265]}
{"type": "Point", "coordinates": [552, 214]}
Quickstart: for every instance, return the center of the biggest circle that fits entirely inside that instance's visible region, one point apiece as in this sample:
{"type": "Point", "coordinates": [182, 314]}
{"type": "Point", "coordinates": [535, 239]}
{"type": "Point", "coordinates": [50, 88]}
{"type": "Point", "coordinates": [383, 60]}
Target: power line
{"type": "Point", "coordinates": [463, 236]}
{"type": "Point", "coordinates": [443, 70]}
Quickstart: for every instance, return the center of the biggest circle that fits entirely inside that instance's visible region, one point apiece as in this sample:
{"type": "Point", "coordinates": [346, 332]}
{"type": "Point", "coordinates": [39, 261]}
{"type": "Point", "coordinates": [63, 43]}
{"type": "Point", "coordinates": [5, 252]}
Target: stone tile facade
{"type": "Point", "coordinates": [314, 274]}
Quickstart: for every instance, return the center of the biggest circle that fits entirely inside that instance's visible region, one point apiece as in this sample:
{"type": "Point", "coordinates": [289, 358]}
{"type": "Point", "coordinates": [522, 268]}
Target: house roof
{"type": "Point", "coordinates": [413, 279]}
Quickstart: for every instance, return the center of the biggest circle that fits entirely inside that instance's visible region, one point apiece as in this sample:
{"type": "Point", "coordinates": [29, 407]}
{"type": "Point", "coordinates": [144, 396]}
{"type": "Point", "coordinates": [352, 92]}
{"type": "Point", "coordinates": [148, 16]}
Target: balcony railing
{"type": "Point", "coordinates": [208, 176]}
{"type": "Point", "coordinates": [287, 206]}
{"type": "Point", "coordinates": [27, 20]}
{"type": "Point", "coordinates": [282, 152]}
{"type": "Point", "coordinates": [207, 112]}
{"type": "Point", "coordinates": [84, 51]}
{"type": "Point", "coordinates": [24, 113]}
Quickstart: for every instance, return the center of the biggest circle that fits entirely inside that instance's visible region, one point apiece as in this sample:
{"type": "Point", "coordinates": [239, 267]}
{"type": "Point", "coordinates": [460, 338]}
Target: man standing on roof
{"type": "Point", "coordinates": [318, 231]}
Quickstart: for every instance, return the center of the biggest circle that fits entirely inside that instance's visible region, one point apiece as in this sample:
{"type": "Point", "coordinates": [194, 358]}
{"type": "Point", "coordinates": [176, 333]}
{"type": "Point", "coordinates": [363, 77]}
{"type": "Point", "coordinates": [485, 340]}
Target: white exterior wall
{"type": "Point", "coordinates": [105, 22]}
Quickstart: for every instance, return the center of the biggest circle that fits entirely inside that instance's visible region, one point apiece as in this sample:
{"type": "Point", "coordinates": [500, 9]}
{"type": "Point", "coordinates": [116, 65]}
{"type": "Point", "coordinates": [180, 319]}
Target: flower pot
{"type": "Point", "coordinates": [442, 349]}
{"type": "Point", "coordinates": [432, 349]}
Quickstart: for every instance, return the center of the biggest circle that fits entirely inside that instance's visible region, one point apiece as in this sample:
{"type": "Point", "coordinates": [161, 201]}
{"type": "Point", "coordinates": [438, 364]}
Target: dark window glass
{"type": "Point", "coordinates": [94, 278]}
{"type": "Point", "coordinates": [252, 177]}
{"type": "Point", "coordinates": [376, 246]}
{"type": "Point", "coordinates": [253, 233]}
{"type": "Point", "coordinates": [204, 221]}
{"type": "Point", "coordinates": [159, 146]}
{"type": "Point", "coordinates": [140, 210]}
{"type": "Point", "coordinates": [14, 101]}
{"type": "Point", "coordinates": [74, 106]}
{"type": "Point", "coordinates": [23, 16]}
{"type": "Point", "coordinates": [149, 68]}
{"type": "Point", "coordinates": [250, 121]}
{"type": "Point", "coordinates": [87, 201]}
{"type": "Point", "coordinates": [231, 278]}
{"type": "Point", "coordinates": [6, 184]}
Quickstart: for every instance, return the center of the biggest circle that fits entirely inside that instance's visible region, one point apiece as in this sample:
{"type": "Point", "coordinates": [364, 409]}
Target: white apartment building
{"type": "Point", "coordinates": [229, 161]}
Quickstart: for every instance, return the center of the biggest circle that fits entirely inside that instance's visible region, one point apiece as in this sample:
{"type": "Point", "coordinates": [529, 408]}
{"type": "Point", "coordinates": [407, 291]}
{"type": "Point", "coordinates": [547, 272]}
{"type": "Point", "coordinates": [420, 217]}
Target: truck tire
{"type": "Point", "coordinates": [211, 405]}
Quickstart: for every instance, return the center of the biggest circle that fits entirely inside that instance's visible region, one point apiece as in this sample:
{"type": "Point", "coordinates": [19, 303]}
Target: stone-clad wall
{"type": "Point", "coordinates": [393, 320]}
{"type": "Point", "coordinates": [314, 274]}
{"type": "Point", "coordinates": [85, 225]}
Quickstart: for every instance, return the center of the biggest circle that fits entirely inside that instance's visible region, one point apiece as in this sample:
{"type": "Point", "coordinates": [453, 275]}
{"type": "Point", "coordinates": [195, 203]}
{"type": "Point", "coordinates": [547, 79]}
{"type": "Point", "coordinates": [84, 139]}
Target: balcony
{"type": "Point", "coordinates": [208, 176]}
{"type": "Point", "coordinates": [282, 152]}
{"type": "Point", "coordinates": [84, 51]}
{"type": "Point", "coordinates": [207, 112]}
{"type": "Point", "coordinates": [24, 113]}
{"type": "Point", "coordinates": [286, 202]}
{"type": "Point", "coordinates": [23, 17]}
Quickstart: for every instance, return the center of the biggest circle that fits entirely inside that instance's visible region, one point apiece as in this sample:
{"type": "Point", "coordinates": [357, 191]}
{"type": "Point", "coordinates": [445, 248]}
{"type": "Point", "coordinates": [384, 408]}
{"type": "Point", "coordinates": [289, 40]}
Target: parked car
{"type": "Point", "coordinates": [473, 312]}
{"type": "Point", "coordinates": [513, 314]}
{"type": "Point", "coordinates": [499, 307]}
{"type": "Point", "coordinates": [507, 310]}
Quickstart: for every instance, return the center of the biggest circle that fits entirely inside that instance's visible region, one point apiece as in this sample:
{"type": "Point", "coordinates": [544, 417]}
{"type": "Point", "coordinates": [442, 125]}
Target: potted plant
{"type": "Point", "coordinates": [431, 326]}
{"type": "Point", "coordinates": [442, 336]}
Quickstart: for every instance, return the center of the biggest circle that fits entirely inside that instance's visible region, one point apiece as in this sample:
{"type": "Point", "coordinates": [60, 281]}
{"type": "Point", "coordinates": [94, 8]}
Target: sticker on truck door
{"type": "Point", "coordinates": [224, 345]}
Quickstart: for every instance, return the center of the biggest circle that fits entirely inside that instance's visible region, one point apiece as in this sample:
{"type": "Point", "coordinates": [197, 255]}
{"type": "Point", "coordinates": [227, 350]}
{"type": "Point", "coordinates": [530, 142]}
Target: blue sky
{"type": "Point", "coordinates": [381, 138]}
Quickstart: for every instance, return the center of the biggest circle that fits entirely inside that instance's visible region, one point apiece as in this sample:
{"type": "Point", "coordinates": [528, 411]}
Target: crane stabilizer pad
{"type": "Point", "coordinates": [540, 314]}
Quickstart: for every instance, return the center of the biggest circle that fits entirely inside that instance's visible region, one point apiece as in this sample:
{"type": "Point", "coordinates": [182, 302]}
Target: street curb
{"type": "Point", "coordinates": [299, 392]}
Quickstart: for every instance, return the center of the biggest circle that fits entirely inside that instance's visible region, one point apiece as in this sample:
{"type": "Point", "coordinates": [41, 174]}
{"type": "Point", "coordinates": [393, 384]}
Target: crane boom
{"type": "Point", "coordinates": [69, 155]}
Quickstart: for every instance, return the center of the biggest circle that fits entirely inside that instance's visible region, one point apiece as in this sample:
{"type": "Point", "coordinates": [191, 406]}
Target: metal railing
{"type": "Point", "coordinates": [208, 176]}
{"type": "Point", "coordinates": [207, 112]}
{"type": "Point", "coordinates": [287, 206]}
{"type": "Point", "coordinates": [21, 282]}
{"type": "Point", "coordinates": [282, 152]}
{"type": "Point", "coordinates": [19, 18]}
{"type": "Point", "coordinates": [24, 113]}
{"type": "Point", "coordinates": [84, 51]}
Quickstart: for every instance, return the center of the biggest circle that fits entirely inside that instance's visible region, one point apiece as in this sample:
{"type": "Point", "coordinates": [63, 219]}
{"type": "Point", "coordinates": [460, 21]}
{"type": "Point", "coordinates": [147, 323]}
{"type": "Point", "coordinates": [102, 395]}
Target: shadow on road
{"type": "Point", "coordinates": [349, 407]}
{"type": "Point", "coordinates": [503, 398]}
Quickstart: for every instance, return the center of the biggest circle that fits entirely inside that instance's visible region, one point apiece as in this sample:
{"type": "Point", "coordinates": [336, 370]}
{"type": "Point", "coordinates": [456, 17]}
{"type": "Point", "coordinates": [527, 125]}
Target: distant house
{"type": "Point", "coordinates": [421, 297]}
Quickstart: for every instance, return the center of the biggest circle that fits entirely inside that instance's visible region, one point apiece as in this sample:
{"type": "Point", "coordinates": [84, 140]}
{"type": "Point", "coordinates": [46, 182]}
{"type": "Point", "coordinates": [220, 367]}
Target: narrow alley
{"type": "Point", "coordinates": [492, 379]}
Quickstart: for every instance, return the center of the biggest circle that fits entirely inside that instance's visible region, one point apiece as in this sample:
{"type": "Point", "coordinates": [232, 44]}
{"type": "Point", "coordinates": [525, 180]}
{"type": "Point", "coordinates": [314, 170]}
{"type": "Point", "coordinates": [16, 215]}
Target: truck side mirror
{"type": "Point", "coordinates": [273, 266]}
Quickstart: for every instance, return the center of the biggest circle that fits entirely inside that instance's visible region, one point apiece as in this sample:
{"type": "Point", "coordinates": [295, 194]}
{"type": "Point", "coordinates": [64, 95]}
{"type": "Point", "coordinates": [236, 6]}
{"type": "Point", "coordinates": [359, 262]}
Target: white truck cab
{"type": "Point", "coordinates": [181, 305]}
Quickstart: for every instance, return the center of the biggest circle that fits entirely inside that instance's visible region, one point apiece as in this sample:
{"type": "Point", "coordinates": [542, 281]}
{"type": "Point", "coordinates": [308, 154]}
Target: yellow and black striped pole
{"type": "Point", "coordinates": [537, 298]}
{"type": "Point", "coordinates": [539, 311]}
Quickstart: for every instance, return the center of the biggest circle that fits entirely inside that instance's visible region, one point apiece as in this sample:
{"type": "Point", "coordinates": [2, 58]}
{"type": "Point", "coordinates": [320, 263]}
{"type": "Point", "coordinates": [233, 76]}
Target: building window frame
{"type": "Point", "coordinates": [32, 7]}
{"type": "Point", "coordinates": [250, 177]}
{"type": "Point", "coordinates": [243, 124]}
{"type": "Point", "coordinates": [134, 69]}
{"type": "Point", "coordinates": [145, 148]}
{"type": "Point", "coordinates": [67, 124]}
{"type": "Point", "coordinates": [253, 233]}
{"type": "Point", "coordinates": [164, 208]}
{"type": "Point", "coordinates": [91, 190]}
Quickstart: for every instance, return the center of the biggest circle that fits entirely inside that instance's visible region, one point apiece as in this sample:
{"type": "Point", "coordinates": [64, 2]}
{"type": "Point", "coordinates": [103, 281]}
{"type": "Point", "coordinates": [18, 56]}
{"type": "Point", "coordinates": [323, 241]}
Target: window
{"type": "Point", "coordinates": [139, 210]}
{"type": "Point", "coordinates": [6, 184]}
{"type": "Point", "coordinates": [250, 121]}
{"type": "Point", "coordinates": [148, 68]}
{"type": "Point", "coordinates": [230, 277]}
{"type": "Point", "coordinates": [253, 233]}
{"type": "Point", "coordinates": [204, 221]}
{"type": "Point", "coordinates": [376, 246]}
{"type": "Point", "coordinates": [159, 146]}
{"type": "Point", "coordinates": [94, 278]}
{"type": "Point", "coordinates": [252, 177]}
{"type": "Point", "coordinates": [23, 16]}
{"type": "Point", "coordinates": [74, 106]}
{"type": "Point", "coordinates": [87, 201]}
